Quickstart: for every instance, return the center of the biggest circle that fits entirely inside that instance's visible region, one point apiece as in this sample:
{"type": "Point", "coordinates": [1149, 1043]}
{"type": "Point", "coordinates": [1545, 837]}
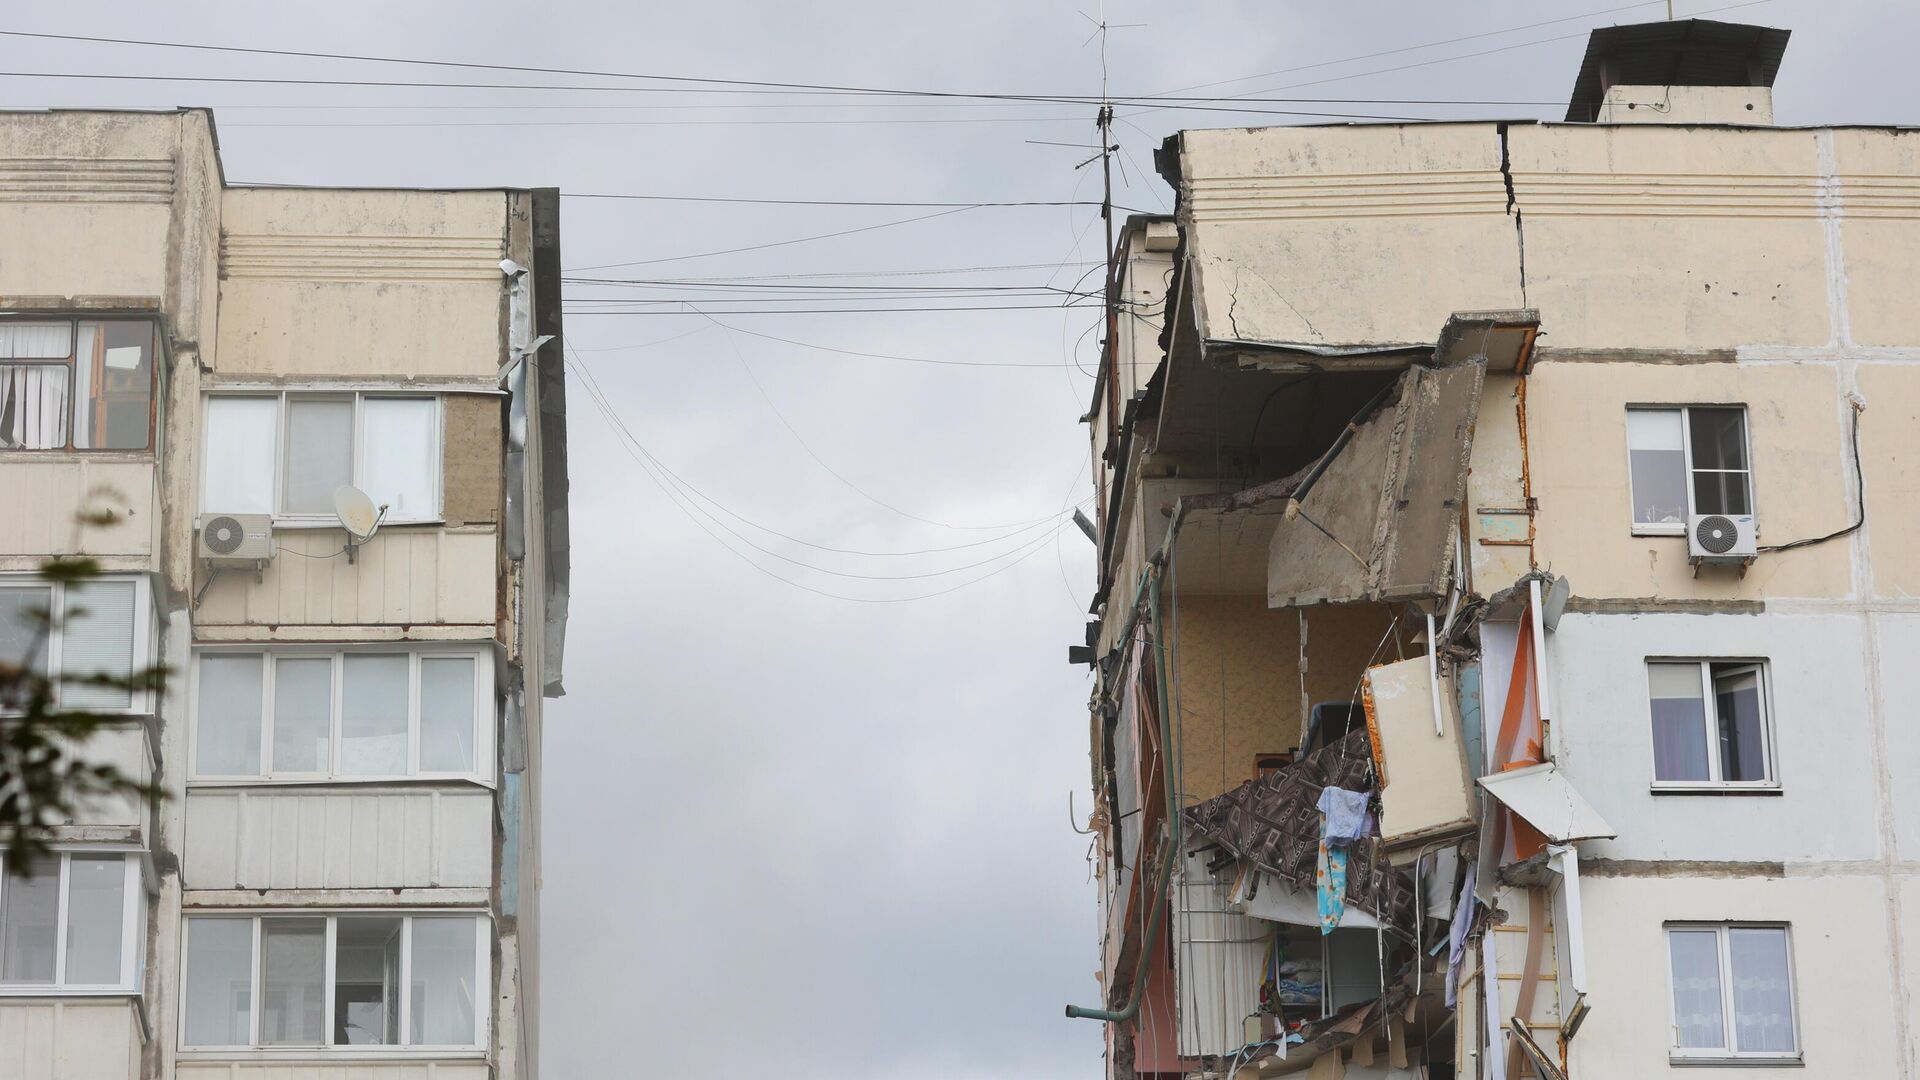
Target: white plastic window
{"type": "Point", "coordinates": [94, 636]}
{"type": "Point", "coordinates": [348, 714]}
{"type": "Point", "coordinates": [71, 923]}
{"type": "Point", "coordinates": [285, 454]}
{"type": "Point", "coordinates": [1732, 992]}
{"type": "Point", "coordinates": [1687, 460]}
{"type": "Point", "coordinates": [352, 979]}
{"type": "Point", "coordinates": [1711, 723]}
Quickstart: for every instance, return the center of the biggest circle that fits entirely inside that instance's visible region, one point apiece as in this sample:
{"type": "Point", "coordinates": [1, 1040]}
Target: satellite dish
{"type": "Point", "coordinates": [356, 511]}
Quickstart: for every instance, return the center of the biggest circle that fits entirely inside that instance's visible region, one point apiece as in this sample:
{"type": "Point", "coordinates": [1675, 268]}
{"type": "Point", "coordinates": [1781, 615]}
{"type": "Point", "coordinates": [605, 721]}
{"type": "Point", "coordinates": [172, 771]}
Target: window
{"type": "Point", "coordinates": [285, 454]}
{"type": "Point", "coordinates": [72, 922]}
{"type": "Point", "coordinates": [347, 979]}
{"type": "Point", "coordinates": [1732, 992]}
{"type": "Point", "coordinates": [102, 627]}
{"type": "Point", "coordinates": [1687, 460]}
{"type": "Point", "coordinates": [342, 714]}
{"type": "Point", "coordinates": [85, 384]}
{"type": "Point", "coordinates": [1710, 723]}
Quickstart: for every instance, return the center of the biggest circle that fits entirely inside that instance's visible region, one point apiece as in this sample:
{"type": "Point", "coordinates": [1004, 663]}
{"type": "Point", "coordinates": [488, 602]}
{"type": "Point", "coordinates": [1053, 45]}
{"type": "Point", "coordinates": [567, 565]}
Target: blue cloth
{"type": "Point", "coordinates": [1330, 880]}
{"type": "Point", "coordinates": [1457, 934]}
{"type": "Point", "coordinates": [1347, 817]}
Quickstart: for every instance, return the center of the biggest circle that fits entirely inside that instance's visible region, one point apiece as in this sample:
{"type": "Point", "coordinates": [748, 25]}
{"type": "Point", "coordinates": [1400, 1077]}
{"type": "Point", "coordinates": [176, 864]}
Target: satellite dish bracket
{"type": "Point", "coordinates": [353, 542]}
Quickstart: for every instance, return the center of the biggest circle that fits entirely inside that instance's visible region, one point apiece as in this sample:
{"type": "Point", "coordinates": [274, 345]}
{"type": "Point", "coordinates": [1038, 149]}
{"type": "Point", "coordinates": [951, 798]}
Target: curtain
{"type": "Point", "coordinates": [33, 406]}
{"type": "Point", "coordinates": [36, 340]}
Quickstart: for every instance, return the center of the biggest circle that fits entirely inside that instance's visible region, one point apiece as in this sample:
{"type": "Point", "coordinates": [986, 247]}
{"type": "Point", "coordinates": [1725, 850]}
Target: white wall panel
{"type": "Point", "coordinates": [401, 576]}
{"type": "Point", "coordinates": [86, 1039]}
{"type": "Point", "coordinates": [311, 1070]}
{"type": "Point", "coordinates": [267, 838]}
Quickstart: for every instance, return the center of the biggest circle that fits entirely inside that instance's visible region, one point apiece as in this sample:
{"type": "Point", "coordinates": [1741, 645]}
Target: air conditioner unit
{"type": "Point", "coordinates": [234, 539]}
{"type": "Point", "coordinates": [1720, 538]}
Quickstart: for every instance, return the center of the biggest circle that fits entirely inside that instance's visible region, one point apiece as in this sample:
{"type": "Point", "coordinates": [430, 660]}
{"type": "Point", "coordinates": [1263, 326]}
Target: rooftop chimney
{"type": "Point", "coordinates": [1692, 71]}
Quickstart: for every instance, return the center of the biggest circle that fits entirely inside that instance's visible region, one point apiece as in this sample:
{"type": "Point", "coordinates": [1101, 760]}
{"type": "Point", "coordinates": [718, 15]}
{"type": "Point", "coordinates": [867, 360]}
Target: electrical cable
{"type": "Point", "coordinates": [776, 243]}
{"type": "Point", "coordinates": [627, 433]}
{"type": "Point", "coordinates": [875, 355]}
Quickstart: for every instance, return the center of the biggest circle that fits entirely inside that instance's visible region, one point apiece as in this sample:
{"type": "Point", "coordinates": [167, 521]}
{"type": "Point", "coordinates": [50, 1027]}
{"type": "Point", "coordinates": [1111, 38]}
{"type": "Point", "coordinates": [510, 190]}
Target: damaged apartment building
{"type": "Point", "coordinates": [1503, 650]}
{"type": "Point", "coordinates": [328, 425]}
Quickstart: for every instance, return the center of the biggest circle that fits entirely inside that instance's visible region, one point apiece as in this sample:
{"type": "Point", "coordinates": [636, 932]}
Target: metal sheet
{"type": "Point", "coordinates": [293, 839]}
{"type": "Point", "coordinates": [1548, 802]}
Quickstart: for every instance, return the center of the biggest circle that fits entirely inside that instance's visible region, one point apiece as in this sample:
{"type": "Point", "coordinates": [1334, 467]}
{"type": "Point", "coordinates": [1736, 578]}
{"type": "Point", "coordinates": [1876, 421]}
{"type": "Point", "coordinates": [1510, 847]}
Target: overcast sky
{"type": "Point", "coordinates": [786, 833]}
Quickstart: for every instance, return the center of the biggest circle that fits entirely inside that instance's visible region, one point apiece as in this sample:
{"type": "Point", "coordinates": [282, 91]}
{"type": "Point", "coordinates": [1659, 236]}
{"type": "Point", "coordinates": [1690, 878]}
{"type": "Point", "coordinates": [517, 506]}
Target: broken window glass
{"type": "Point", "coordinates": [366, 981]}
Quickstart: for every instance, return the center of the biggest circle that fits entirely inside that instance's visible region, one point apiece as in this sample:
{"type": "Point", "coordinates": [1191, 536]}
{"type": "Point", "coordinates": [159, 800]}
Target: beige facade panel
{"type": "Point", "coordinates": [1844, 1003]}
{"type": "Point", "coordinates": [75, 186]}
{"type": "Point", "coordinates": [1294, 233]}
{"type": "Point", "coordinates": [282, 1068]}
{"type": "Point", "coordinates": [1424, 791]}
{"type": "Point", "coordinates": [266, 838]}
{"type": "Point", "coordinates": [406, 576]}
{"type": "Point", "coordinates": [1672, 237]}
{"type": "Point", "coordinates": [58, 489]}
{"type": "Point", "coordinates": [361, 282]}
{"type": "Point", "coordinates": [1576, 424]}
{"type": "Point", "coordinates": [1890, 466]}
{"type": "Point", "coordinates": [69, 1039]}
{"type": "Point", "coordinates": [1878, 175]}
{"type": "Point", "coordinates": [470, 491]}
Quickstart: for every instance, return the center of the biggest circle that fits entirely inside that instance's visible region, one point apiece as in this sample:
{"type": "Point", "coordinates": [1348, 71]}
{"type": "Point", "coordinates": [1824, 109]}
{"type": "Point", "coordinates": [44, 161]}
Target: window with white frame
{"type": "Point", "coordinates": [286, 453]}
{"type": "Point", "coordinates": [1712, 724]}
{"type": "Point", "coordinates": [1732, 991]}
{"type": "Point", "coordinates": [93, 636]}
{"type": "Point", "coordinates": [1687, 460]}
{"type": "Point", "coordinates": [350, 714]}
{"type": "Point", "coordinates": [349, 979]}
{"type": "Point", "coordinates": [77, 384]}
{"type": "Point", "coordinates": [72, 922]}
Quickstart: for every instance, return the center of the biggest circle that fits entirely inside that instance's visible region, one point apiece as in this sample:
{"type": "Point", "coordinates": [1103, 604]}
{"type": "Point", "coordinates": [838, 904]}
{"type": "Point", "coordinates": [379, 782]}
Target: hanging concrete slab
{"type": "Point", "coordinates": [1544, 798]}
{"type": "Point", "coordinates": [1376, 519]}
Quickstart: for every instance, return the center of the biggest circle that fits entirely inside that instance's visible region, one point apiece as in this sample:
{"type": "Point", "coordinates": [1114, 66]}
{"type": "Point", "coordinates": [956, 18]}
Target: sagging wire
{"type": "Point", "coordinates": [1860, 486]}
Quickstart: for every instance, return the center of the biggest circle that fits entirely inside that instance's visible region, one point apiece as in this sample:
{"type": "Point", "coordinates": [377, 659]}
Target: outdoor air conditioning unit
{"type": "Point", "coordinates": [1720, 538]}
{"type": "Point", "coordinates": [234, 539]}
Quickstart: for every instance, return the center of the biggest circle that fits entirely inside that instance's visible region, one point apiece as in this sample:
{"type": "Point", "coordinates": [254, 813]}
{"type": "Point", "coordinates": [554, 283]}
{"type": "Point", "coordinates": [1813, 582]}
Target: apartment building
{"type": "Point", "coordinates": [1503, 642]}
{"type": "Point", "coordinates": [329, 425]}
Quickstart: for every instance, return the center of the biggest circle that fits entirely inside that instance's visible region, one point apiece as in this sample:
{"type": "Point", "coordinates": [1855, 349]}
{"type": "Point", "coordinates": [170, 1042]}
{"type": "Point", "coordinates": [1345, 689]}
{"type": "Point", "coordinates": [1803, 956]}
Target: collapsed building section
{"type": "Point", "coordinates": [1372, 778]}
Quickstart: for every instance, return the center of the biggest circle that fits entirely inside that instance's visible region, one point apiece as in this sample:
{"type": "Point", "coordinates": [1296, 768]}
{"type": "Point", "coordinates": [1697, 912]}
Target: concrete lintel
{"type": "Point", "coordinates": [1636, 605]}
{"type": "Point", "coordinates": [1680, 868]}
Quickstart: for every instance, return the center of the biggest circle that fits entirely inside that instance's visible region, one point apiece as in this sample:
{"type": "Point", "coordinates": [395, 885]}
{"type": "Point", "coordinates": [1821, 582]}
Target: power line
{"type": "Point", "coordinates": [633, 445]}
{"type": "Point", "coordinates": [828, 202]}
{"type": "Point", "coordinates": [844, 311]}
{"type": "Point", "coordinates": [874, 355]}
{"type": "Point", "coordinates": [776, 243]}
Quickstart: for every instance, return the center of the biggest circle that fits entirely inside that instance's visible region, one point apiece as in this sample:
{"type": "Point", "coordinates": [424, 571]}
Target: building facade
{"type": "Point", "coordinates": [341, 876]}
{"type": "Point", "coordinates": [1503, 644]}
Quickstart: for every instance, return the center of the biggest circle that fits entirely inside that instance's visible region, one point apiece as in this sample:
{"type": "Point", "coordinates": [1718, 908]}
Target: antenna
{"type": "Point", "coordinates": [357, 515]}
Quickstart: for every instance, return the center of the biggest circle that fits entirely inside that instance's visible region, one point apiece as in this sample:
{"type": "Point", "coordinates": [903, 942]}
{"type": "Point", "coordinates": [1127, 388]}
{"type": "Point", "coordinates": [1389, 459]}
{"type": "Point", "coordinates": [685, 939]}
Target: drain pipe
{"type": "Point", "coordinates": [1150, 585]}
